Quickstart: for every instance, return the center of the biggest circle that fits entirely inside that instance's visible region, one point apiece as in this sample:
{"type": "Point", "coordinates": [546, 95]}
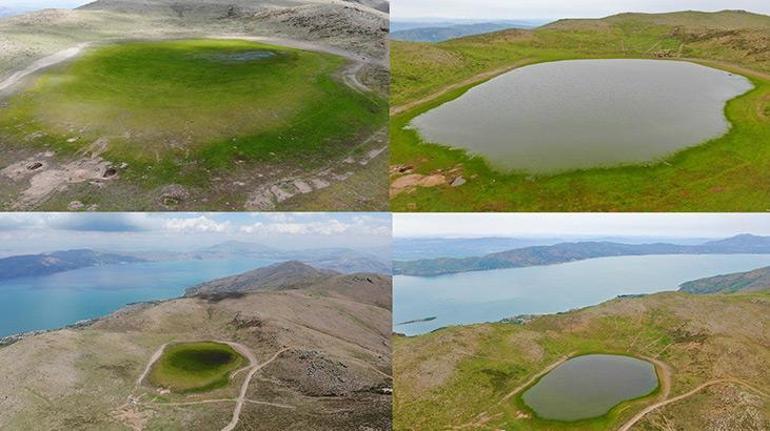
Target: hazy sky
{"type": "Point", "coordinates": [37, 232]}
{"type": "Point", "coordinates": [41, 4]}
{"type": "Point", "coordinates": [554, 9]}
{"type": "Point", "coordinates": [555, 225]}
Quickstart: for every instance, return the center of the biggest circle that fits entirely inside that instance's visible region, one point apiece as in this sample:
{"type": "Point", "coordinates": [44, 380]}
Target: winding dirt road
{"type": "Point", "coordinates": [41, 64]}
{"type": "Point", "coordinates": [482, 417]}
{"type": "Point", "coordinates": [627, 426]}
{"type": "Point", "coordinates": [245, 387]}
{"type": "Point", "coordinates": [254, 367]}
{"type": "Point", "coordinates": [476, 79]}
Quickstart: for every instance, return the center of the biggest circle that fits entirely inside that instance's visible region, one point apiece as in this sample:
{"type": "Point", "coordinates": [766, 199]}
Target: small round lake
{"type": "Point", "coordinates": [566, 115]}
{"type": "Point", "coordinates": [590, 386]}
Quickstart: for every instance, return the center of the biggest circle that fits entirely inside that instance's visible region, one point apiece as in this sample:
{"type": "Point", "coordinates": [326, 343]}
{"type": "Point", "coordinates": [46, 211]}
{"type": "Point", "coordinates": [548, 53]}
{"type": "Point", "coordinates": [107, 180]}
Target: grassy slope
{"type": "Point", "coordinates": [724, 174]}
{"type": "Point", "coordinates": [180, 370]}
{"type": "Point", "coordinates": [471, 368]}
{"type": "Point", "coordinates": [174, 110]}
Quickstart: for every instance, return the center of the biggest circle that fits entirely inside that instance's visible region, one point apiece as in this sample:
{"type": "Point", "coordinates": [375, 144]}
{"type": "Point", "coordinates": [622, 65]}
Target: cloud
{"type": "Point", "coordinates": [78, 222]}
{"type": "Point", "coordinates": [358, 225]}
{"type": "Point", "coordinates": [202, 224]}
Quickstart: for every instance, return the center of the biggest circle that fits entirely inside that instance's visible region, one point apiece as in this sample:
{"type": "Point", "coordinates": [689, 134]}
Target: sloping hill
{"type": "Point", "coordinates": [280, 276]}
{"type": "Point", "coordinates": [711, 354]}
{"type": "Point", "coordinates": [693, 20]}
{"type": "Point", "coordinates": [321, 361]}
{"type": "Point", "coordinates": [750, 281]}
{"type": "Point", "coordinates": [59, 261]}
{"type": "Point", "coordinates": [570, 252]}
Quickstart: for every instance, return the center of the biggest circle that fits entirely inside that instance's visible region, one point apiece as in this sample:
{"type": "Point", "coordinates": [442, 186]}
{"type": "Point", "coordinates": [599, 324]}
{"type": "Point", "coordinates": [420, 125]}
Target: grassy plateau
{"type": "Point", "coordinates": [196, 367]}
{"type": "Point", "coordinates": [183, 111]}
{"type": "Point", "coordinates": [729, 173]}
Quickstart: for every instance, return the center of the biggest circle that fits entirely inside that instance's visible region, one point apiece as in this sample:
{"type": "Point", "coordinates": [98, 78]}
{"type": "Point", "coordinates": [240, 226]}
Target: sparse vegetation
{"type": "Point", "coordinates": [479, 370]}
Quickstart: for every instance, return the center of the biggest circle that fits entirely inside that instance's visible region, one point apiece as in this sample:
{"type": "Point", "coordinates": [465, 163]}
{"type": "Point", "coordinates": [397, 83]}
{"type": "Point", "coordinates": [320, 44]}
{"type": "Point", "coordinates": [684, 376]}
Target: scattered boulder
{"type": "Point", "coordinates": [457, 182]}
{"type": "Point", "coordinates": [173, 195]}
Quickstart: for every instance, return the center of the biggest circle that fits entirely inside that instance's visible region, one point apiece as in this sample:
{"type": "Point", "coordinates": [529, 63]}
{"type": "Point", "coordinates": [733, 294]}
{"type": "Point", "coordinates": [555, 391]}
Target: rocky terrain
{"type": "Point", "coordinates": [319, 359]}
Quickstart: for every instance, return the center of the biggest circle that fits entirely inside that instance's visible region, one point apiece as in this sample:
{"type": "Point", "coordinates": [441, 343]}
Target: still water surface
{"type": "Point", "coordinates": [53, 301]}
{"type": "Point", "coordinates": [566, 115]}
{"type": "Point", "coordinates": [590, 386]}
{"type": "Point", "coordinates": [489, 296]}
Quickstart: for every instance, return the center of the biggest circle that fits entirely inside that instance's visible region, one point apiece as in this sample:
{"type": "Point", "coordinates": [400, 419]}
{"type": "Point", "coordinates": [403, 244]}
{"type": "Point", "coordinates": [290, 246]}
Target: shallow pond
{"type": "Point", "coordinates": [590, 386]}
{"type": "Point", "coordinates": [489, 296]}
{"type": "Point", "coordinates": [567, 115]}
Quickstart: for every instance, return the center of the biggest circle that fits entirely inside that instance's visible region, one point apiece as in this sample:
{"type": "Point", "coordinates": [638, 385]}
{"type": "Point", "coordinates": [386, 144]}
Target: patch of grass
{"type": "Point", "coordinates": [196, 367]}
{"type": "Point", "coordinates": [177, 110]}
{"type": "Point", "coordinates": [491, 360]}
{"type": "Point", "coordinates": [724, 174]}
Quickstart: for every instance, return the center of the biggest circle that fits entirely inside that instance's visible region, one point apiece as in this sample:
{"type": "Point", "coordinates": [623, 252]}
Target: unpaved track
{"type": "Point", "coordinates": [244, 388]}
{"type": "Point", "coordinates": [41, 64]}
{"type": "Point", "coordinates": [476, 79]}
{"type": "Point", "coordinates": [351, 71]}
{"type": "Point", "coordinates": [254, 367]}
{"type": "Point", "coordinates": [481, 417]}
{"type": "Point", "coordinates": [627, 426]}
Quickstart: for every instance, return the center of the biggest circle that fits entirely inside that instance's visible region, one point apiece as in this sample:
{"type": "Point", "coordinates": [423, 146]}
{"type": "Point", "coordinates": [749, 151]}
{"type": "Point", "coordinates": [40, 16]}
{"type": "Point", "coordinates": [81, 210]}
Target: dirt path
{"type": "Point", "coordinates": [451, 87]}
{"type": "Point", "coordinates": [664, 372]}
{"type": "Point", "coordinates": [482, 417]}
{"type": "Point", "coordinates": [40, 64]}
{"type": "Point", "coordinates": [627, 426]}
{"type": "Point", "coordinates": [244, 388]}
{"type": "Point", "coordinates": [349, 74]}
{"type": "Point", "coordinates": [153, 359]}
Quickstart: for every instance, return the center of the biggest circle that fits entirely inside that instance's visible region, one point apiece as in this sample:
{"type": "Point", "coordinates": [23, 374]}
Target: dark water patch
{"type": "Point", "coordinates": [590, 386]}
{"type": "Point", "coordinates": [239, 57]}
{"type": "Point", "coordinates": [567, 115]}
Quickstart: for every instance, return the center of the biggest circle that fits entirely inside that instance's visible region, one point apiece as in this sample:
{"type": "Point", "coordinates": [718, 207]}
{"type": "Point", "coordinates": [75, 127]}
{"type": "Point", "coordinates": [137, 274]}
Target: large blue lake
{"type": "Point", "coordinates": [489, 296]}
{"type": "Point", "coordinates": [48, 302]}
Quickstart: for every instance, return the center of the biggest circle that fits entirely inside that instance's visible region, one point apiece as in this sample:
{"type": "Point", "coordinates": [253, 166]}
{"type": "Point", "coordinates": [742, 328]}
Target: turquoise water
{"type": "Point", "coordinates": [489, 296]}
{"type": "Point", "coordinates": [590, 386]}
{"type": "Point", "coordinates": [48, 302]}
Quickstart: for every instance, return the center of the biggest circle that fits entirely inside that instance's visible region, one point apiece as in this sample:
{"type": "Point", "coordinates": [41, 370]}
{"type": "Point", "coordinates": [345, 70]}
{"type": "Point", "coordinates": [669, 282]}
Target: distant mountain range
{"type": "Point", "coordinates": [575, 251]}
{"type": "Point", "coordinates": [338, 260]}
{"type": "Point", "coordinates": [750, 281]}
{"type": "Point", "coordinates": [59, 261]}
{"type": "Point", "coordinates": [439, 32]}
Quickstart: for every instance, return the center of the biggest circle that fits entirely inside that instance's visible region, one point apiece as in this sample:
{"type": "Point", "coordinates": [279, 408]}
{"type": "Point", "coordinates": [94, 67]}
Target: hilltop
{"type": "Point", "coordinates": [710, 352]}
{"type": "Point", "coordinates": [322, 346]}
{"type": "Point", "coordinates": [749, 281]}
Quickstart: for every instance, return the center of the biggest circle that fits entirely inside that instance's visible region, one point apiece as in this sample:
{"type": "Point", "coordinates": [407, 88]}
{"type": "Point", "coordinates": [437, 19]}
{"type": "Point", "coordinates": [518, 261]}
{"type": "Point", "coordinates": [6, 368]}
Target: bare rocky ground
{"type": "Point", "coordinates": [354, 29]}
{"type": "Point", "coordinates": [326, 358]}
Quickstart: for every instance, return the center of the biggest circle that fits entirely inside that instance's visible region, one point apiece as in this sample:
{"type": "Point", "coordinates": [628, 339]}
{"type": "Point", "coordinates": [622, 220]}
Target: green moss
{"type": "Point", "coordinates": [177, 110]}
{"type": "Point", "coordinates": [196, 367]}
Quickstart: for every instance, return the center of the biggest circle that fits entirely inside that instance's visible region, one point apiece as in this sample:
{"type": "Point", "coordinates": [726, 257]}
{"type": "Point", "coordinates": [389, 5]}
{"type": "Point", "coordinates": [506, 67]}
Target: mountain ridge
{"type": "Point", "coordinates": [575, 251]}
{"type": "Point", "coordinates": [58, 261]}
